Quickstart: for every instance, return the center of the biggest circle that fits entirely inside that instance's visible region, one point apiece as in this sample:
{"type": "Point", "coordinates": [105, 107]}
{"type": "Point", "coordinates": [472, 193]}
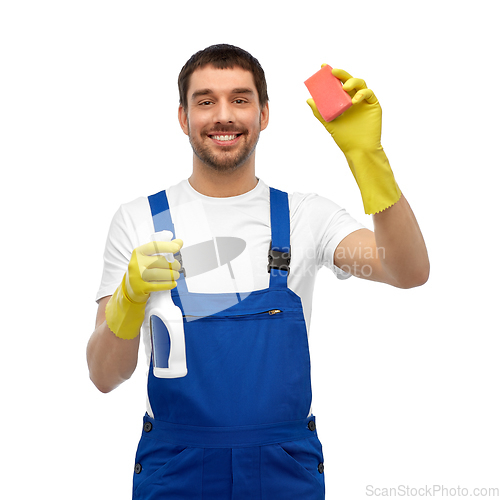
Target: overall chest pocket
{"type": "Point", "coordinates": [251, 365]}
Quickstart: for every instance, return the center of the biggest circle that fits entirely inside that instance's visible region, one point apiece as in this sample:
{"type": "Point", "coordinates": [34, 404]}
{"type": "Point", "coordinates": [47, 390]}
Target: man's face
{"type": "Point", "coordinates": [223, 118]}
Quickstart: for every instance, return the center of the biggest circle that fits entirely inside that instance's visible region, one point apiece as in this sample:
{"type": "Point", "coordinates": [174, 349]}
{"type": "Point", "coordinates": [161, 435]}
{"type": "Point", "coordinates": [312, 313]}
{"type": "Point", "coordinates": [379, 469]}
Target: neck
{"type": "Point", "coordinates": [210, 182]}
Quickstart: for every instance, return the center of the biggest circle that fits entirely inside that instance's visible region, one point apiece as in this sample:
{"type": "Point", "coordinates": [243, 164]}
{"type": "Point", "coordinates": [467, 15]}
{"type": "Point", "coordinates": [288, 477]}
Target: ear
{"type": "Point", "coordinates": [264, 116]}
{"type": "Point", "coordinates": [183, 120]}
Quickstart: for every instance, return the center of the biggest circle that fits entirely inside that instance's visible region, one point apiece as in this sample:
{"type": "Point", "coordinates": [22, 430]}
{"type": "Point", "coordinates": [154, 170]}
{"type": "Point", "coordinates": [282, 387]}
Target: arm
{"type": "Point", "coordinates": [113, 347]}
{"type": "Point", "coordinates": [394, 254]}
{"type": "Point", "coordinates": [111, 360]}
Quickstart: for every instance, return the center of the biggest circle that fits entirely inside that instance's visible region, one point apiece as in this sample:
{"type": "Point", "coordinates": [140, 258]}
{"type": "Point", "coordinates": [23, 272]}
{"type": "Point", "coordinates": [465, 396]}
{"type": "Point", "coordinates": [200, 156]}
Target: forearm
{"type": "Point", "coordinates": [111, 360]}
{"type": "Point", "coordinates": [401, 246]}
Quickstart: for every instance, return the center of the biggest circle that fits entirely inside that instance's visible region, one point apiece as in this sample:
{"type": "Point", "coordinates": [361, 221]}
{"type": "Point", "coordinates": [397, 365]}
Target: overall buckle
{"type": "Point", "coordinates": [278, 259]}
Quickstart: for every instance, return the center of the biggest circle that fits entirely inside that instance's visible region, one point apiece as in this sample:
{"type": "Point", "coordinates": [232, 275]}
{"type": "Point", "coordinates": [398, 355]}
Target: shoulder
{"type": "Point", "coordinates": [312, 204]}
{"type": "Point", "coordinates": [132, 223]}
{"type": "Point", "coordinates": [323, 219]}
{"type": "Point", "coordinates": [139, 208]}
{"type": "Point", "coordinates": [136, 206]}
{"type": "Point", "coordinates": [131, 213]}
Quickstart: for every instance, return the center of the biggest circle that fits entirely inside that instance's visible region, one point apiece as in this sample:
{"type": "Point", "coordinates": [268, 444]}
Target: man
{"type": "Point", "coordinates": [239, 424]}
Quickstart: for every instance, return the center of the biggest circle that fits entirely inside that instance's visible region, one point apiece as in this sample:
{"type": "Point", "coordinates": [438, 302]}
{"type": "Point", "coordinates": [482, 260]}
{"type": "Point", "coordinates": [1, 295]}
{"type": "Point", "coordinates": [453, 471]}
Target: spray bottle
{"type": "Point", "coordinates": [167, 328]}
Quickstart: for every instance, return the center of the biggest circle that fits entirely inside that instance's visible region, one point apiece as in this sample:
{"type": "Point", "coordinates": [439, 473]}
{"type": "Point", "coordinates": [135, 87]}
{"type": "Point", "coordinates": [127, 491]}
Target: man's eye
{"type": "Point", "coordinates": [239, 101]}
{"type": "Point", "coordinates": [205, 103]}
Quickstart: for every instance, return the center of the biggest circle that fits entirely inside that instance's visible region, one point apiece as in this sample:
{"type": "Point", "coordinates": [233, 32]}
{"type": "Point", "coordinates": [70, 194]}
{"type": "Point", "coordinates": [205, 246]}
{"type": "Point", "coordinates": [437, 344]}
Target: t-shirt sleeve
{"type": "Point", "coordinates": [329, 224]}
{"type": "Point", "coordinates": [117, 253]}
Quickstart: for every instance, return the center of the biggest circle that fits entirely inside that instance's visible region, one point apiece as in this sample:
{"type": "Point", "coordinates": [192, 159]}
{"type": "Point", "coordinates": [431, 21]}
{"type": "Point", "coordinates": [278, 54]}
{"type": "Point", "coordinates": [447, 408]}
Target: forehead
{"type": "Point", "coordinates": [220, 80]}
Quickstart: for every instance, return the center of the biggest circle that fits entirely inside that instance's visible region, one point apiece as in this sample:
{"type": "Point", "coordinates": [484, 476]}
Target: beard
{"type": "Point", "coordinates": [229, 158]}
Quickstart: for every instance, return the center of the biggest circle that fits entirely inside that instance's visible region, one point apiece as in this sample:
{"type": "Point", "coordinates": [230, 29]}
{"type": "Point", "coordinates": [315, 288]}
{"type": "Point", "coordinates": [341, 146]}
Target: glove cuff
{"type": "Point", "coordinates": [124, 317]}
{"type": "Point", "coordinates": [375, 179]}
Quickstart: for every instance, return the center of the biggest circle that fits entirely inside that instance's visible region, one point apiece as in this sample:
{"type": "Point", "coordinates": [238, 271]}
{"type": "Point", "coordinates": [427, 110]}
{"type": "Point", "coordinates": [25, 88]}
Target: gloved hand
{"type": "Point", "coordinates": [146, 273]}
{"type": "Point", "coordinates": [357, 132]}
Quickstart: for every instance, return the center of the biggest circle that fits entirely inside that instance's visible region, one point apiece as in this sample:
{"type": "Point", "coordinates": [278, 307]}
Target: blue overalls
{"type": "Point", "coordinates": [236, 426]}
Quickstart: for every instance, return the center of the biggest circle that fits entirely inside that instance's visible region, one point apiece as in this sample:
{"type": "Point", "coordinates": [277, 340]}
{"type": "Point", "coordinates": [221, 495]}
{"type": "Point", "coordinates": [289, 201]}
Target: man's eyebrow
{"type": "Point", "coordinates": [201, 92]}
{"type": "Point", "coordinates": [242, 91]}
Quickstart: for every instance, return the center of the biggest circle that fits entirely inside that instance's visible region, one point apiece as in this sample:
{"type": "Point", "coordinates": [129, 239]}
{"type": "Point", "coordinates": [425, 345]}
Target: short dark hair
{"type": "Point", "coordinates": [223, 56]}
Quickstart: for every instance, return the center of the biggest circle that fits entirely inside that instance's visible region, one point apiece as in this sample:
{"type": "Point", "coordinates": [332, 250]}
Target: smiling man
{"type": "Point", "coordinates": [223, 113]}
{"type": "Point", "coordinates": [224, 119]}
{"type": "Point", "coordinates": [239, 424]}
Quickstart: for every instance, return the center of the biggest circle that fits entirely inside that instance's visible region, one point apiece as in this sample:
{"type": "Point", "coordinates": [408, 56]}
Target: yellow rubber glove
{"type": "Point", "coordinates": [146, 273]}
{"type": "Point", "coordinates": [357, 132]}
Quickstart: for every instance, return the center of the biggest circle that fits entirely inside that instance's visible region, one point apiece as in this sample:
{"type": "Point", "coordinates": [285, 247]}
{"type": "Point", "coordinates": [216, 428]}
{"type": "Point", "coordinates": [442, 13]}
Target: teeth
{"type": "Point", "coordinates": [224, 137]}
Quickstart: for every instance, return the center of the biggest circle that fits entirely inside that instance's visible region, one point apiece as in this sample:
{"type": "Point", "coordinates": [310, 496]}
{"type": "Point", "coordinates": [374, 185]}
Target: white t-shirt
{"type": "Point", "coordinates": [317, 226]}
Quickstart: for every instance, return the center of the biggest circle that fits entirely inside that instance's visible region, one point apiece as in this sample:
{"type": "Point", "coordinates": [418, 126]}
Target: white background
{"type": "Point", "coordinates": [405, 381]}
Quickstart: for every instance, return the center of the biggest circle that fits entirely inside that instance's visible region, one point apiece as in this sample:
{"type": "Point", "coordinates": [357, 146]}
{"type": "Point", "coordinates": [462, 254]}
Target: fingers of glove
{"type": "Point", "coordinates": [156, 247]}
{"type": "Point", "coordinates": [158, 262]}
{"type": "Point", "coordinates": [175, 265]}
{"type": "Point", "coordinates": [314, 109]}
{"type": "Point", "coordinates": [354, 84]}
{"type": "Point", "coordinates": [178, 242]}
{"type": "Point", "coordinates": [160, 286]}
{"type": "Point", "coordinates": [342, 75]}
{"type": "Point", "coordinates": [163, 247]}
{"type": "Point", "coordinates": [365, 95]}
{"type": "Point", "coordinates": [170, 256]}
{"type": "Point", "coordinates": [159, 275]}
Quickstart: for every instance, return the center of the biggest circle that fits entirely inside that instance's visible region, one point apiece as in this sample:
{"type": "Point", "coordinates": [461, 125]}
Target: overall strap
{"type": "Point", "coordinates": [162, 221]}
{"type": "Point", "coordinates": [279, 250]}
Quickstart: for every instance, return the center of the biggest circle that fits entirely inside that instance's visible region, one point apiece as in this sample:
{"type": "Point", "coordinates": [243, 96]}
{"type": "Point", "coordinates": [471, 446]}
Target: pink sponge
{"type": "Point", "coordinates": [326, 90]}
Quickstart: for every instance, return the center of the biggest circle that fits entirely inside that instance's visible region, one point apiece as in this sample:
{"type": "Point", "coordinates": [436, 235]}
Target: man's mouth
{"type": "Point", "coordinates": [224, 139]}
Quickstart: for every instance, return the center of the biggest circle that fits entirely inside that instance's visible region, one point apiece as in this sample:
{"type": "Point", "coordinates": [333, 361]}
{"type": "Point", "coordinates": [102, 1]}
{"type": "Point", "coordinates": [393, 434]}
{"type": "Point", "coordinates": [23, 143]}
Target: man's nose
{"type": "Point", "coordinates": [223, 113]}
